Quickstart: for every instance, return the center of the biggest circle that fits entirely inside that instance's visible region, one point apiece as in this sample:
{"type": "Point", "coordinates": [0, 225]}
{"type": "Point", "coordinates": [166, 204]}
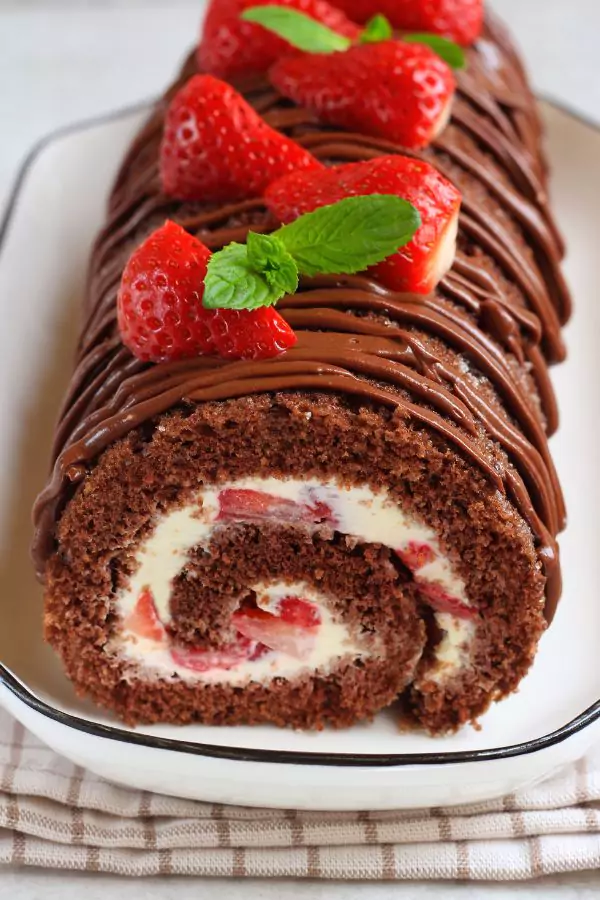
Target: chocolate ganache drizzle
{"type": "Point", "coordinates": [500, 307]}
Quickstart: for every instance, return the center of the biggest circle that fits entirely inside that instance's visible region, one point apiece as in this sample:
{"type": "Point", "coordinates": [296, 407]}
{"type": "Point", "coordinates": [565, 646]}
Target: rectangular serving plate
{"type": "Point", "coordinates": [55, 211]}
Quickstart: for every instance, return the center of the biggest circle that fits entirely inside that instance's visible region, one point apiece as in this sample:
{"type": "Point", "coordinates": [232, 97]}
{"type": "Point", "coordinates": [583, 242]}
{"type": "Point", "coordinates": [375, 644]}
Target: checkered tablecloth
{"type": "Point", "coordinates": [57, 815]}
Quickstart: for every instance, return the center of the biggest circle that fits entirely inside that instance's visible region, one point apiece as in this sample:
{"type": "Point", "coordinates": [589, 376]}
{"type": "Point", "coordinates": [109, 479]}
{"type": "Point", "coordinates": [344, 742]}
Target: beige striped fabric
{"type": "Point", "coordinates": [57, 815]}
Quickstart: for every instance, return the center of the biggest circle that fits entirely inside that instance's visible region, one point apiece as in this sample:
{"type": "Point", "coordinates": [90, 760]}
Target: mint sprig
{"type": "Point", "coordinates": [297, 29]}
{"type": "Point", "coordinates": [343, 238]}
{"type": "Point", "coordinates": [268, 255]}
{"type": "Point", "coordinates": [232, 283]}
{"type": "Point", "coordinates": [377, 29]}
{"type": "Point", "coordinates": [351, 235]}
{"type": "Point", "coordinates": [307, 34]}
{"type": "Point", "coordinates": [450, 52]}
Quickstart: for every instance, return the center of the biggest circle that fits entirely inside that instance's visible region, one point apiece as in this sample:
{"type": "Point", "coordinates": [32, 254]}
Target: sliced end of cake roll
{"type": "Point", "coordinates": [297, 559]}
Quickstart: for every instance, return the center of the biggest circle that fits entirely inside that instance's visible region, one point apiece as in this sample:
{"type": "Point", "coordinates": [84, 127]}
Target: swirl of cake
{"type": "Point", "coordinates": [366, 517]}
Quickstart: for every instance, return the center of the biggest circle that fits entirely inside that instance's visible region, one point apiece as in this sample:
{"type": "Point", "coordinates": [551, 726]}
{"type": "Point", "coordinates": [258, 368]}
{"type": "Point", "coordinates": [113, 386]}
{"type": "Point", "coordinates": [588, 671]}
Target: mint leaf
{"type": "Point", "coordinates": [297, 29]}
{"type": "Point", "coordinates": [448, 50]}
{"type": "Point", "coordinates": [377, 29]}
{"type": "Point", "coordinates": [351, 235]}
{"type": "Point", "coordinates": [343, 238]}
{"type": "Point", "coordinates": [232, 283]}
{"type": "Point", "coordinates": [269, 258]}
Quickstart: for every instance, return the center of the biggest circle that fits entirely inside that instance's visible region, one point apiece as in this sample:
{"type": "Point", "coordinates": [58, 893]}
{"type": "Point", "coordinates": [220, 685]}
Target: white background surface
{"type": "Point", "coordinates": [64, 61]}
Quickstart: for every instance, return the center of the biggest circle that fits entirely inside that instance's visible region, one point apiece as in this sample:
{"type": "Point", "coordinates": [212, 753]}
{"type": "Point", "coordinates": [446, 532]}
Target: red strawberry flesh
{"type": "Point", "coordinates": [226, 658]}
{"type": "Point", "coordinates": [159, 304]}
{"type": "Point", "coordinates": [299, 612]}
{"type": "Point", "coordinates": [394, 90]}
{"type": "Point", "coordinates": [231, 47]}
{"type": "Point", "coordinates": [258, 506]}
{"type": "Point", "coordinates": [250, 333]}
{"type": "Point", "coordinates": [143, 620]}
{"type": "Point", "coordinates": [459, 20]}
{"type": "Point", "coordinates": [416, 555]}
{"type": "Point", "coordinates": [420, 264]}
{"type": "Point", "coordinates": [216, 148]}
{"type": "Point", "coordinates": [276, 632]}
{"type": "Point", "coordinates": [442, 601]}
{"type": "Point", "coordinates": [160, 312]}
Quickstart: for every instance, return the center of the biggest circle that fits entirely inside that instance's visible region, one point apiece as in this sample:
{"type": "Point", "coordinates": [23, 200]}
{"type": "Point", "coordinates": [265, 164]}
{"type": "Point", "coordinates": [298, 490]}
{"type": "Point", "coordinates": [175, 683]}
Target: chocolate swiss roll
{"type": "Point", "coordinates": [369, 517]}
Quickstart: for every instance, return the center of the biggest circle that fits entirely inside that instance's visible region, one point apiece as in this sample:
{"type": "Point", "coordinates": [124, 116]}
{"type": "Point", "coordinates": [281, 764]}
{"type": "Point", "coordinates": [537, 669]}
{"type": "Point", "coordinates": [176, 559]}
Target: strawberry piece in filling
{"type": "Point", "coordinates": [302, 613]}
{"type": "Point", "coordinates": [442, 601]}
{"type": "Point", "coordinates": [415, 555]}
{"type": "Point", "coordinates": [294, 631]}
{"type": "Point", "coordinates": [258, 506]}
{"type": "Point", "coordinates": [143, 621]}
{"type": "Point", "coordinates": [242, 649]}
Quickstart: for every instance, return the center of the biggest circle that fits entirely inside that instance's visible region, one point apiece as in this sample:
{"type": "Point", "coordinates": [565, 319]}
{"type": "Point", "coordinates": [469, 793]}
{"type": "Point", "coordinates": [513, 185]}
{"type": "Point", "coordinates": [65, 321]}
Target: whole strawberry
{"type": "Point", "coordinates": [420, 264]}
{"type": "Point", "coordinates": [395, 90]}
{"type": "Point", "coordinates": [160, 312]}
{"type": "Point", "coordinates": [215, 147]}
{"type": "Point", "coordinates": [460, 20]}
{"type": "Point", "coordinates": [231, 48]}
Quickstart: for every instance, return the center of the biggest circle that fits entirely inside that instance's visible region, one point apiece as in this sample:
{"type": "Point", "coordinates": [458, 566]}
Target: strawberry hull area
{"type": "Point", "coordinates": [443, 401]}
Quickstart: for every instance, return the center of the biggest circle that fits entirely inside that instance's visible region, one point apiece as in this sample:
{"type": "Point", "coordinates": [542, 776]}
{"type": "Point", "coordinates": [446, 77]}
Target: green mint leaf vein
{"type": "Point", "coordinates": [268, 257]}
{"type": "Point", "coordinates": [377, 29]}
{"type": "Point", "coordinates": [297, 29]}
{"type": "Point", "coordinates": [351, 235]}
{"type": "Point", "coordinates": [232, 283]}
{"type": "Point", "coordinates": [448, 50]}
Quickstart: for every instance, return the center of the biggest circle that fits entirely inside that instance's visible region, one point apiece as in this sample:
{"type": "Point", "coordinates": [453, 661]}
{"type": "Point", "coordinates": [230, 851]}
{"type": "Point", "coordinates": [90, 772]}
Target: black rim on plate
{"type": "Point", "coordinates": [22, 693]}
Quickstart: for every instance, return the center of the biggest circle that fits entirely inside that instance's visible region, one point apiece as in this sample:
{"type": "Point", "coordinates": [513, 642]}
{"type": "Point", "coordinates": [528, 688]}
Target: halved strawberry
{"type": "Point", "coordinates": [143, 620]}
{"type": "Point", "coordinates": [278, 634]}
{"type": "Point", "coordinates": [258, 506]}
{"type": "Point", "coordinates": [442, 601]}
{"type": "Point", "coordinates": [160, 312]}
{"type": "Point", "coordinates": [228, 657]}
{"type": "Point", "coordinates": [460, 20]}
{"type": "Point", "coordinates": [415, 555]}
{"type": "Point", "coordinates": [395, 90]}
{"type": "Point", "coordinates": [231, 47]}
{"type": "Point", "coordinates": [215, 147]}
{"type": "Point", "coordinates": [420, 264]}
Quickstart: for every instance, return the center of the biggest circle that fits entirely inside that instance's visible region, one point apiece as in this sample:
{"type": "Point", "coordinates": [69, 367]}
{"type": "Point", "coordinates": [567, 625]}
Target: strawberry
{"type": "Point", "coordinates": [231, 47]}
{"type": "Point", "coordinates": [250, 333]}
{"type": "Point", "coordinates": [159, 304]}
{"type": "Point", "coordinates": [399, 91]}
{"type": "Point", "coordinates": [415, 555]}
{"type": "Point", "coordinates": [160, 312]}
{"type": "Point", "coordinates": [257, 506]}
{"type": "Point", "coordinates": [215, 147]}
{"type": "Point", "coordinates": [238, 651]}
{"type": "Point", "coordinates": [273, 631]}
{"type": "Point", "coordinates": [459, 20]}
{"type": "Point", "coordinates": [299, 612]}
{"type": "Point", "coordinates": [420, 264]}
{"type": "Point", "coordinates": [143, 620]}
{"type": "Point", "coordinates": [442, 601]}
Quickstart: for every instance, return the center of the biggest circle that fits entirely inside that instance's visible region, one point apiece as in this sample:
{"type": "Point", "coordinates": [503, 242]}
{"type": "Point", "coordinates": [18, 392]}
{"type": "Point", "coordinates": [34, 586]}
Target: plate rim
{"type": "Point", "coordinates": [251, 754]}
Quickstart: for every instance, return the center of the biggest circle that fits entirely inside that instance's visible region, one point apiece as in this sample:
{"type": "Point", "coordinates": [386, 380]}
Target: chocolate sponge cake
{"type": "Point", "coordinates": [367, 515]}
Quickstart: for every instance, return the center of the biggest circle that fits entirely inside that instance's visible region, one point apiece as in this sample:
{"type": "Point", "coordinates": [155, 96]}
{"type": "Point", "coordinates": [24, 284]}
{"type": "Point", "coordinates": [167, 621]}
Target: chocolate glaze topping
{"type": "Point", "coordinates": [500, 308]}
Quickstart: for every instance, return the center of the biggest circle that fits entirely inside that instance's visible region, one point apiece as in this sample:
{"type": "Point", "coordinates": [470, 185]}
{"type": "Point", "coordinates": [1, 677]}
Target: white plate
{"type": "Point", "coordinates": [56, 210]}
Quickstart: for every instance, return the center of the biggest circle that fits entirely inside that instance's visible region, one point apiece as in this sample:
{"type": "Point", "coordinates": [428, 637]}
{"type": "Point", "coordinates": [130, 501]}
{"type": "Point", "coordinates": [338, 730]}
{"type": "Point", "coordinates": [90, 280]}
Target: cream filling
{"type": "Point", "coordinates": [362, 514]}
{"type": "Point", "coordinates": [332, 642]}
